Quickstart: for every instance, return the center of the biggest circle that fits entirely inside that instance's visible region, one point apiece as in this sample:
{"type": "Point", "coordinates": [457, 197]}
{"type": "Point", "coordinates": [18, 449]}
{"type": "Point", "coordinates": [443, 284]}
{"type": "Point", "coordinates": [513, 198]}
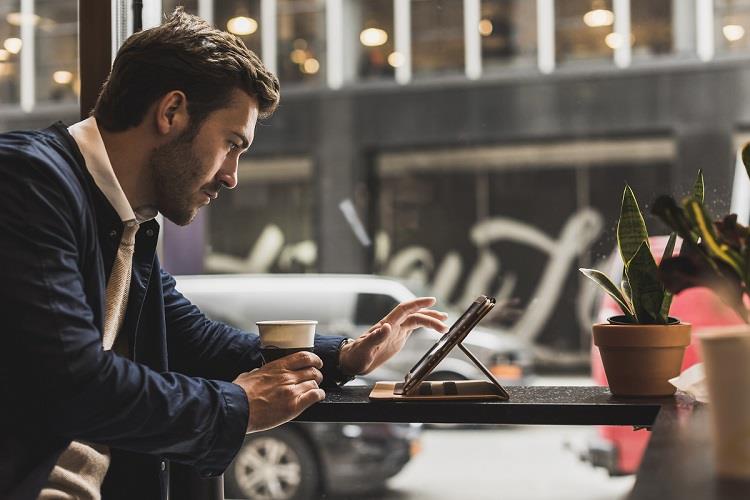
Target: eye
{"type": "Point", "coordinates": [233, 146]}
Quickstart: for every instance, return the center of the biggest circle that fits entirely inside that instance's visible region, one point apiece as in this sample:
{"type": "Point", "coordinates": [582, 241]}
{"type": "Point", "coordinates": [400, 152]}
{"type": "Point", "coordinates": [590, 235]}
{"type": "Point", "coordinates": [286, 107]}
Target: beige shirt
{"type": "Point", "coordinates": [86, 135]}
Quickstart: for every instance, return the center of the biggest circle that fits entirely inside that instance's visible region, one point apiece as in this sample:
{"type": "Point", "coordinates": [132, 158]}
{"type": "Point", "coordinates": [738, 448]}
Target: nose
{"type": "Point", "coordinates": [227, 175]}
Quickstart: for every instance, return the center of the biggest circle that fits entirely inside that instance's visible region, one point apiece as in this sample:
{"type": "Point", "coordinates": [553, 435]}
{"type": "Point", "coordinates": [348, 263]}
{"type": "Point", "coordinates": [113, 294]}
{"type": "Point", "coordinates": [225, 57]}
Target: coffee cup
{"type": "Point", "coordinates": [284, 337]}
{"type": "Point", "coordinates": [726, 355]}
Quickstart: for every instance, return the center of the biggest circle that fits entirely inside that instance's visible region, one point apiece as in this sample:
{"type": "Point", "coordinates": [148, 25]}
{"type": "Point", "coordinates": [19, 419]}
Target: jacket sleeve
{"type": "Point", "coordinates": [202, 347]}
{"type": "Point", "coordinates": [53, 364]}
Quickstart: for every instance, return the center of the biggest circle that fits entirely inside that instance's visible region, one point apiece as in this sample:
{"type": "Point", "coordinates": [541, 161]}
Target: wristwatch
{"type": "Point", "coordinates": [343, 378]}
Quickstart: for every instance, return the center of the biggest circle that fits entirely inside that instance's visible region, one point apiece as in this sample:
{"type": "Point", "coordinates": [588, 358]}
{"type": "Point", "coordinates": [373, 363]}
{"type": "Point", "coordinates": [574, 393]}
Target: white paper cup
{"type": "Point", "coordinates": [283, 337]}
{"type": "Point", "coordinates": [726, 355]}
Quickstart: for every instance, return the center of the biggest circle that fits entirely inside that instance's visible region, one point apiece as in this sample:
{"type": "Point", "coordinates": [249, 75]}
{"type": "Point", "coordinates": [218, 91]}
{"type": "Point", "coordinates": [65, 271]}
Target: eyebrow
{"type": "Point", "coordinates": [245, 142]}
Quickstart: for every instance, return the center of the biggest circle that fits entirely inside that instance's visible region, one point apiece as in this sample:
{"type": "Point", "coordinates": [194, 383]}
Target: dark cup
{"type": "Point", "coordinates": [273, 353]}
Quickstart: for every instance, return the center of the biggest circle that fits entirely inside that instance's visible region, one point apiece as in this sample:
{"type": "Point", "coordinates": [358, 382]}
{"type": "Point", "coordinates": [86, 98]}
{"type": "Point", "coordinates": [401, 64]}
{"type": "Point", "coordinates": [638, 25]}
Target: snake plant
{"type": "Point", "coordinates": [641, 295]}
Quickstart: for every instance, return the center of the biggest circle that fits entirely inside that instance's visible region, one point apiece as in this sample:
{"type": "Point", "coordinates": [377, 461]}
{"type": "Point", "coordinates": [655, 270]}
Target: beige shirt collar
{"type": "Point", "coordinates": [89, 140]}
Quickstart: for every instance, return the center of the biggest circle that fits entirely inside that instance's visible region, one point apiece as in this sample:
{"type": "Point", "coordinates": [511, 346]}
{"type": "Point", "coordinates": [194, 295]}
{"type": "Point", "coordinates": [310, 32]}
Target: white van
{"type": "Point", "coordinates": [348, 305]}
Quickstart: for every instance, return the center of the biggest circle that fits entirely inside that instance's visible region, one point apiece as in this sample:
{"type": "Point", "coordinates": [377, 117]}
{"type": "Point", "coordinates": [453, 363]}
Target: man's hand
{"type": "Point", "coordinates": [388, 335]}
{"type": "Point", "coordinates": [282, 389]}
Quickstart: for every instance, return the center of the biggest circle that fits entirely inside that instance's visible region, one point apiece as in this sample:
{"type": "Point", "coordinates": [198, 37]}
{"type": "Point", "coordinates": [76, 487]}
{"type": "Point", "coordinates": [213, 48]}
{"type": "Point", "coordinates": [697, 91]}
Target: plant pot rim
{"type": "Point", "coordinates": [621, 320]}
{"type": "Point", "coordinates": [634, 335]}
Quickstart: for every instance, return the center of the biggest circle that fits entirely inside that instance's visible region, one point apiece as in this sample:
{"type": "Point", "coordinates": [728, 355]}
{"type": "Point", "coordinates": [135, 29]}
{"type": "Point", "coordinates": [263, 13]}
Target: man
{"type": "Point", "coordinates": [106, 371]}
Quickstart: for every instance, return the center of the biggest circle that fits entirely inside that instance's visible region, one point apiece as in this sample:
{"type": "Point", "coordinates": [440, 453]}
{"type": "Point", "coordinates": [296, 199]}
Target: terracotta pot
{"type": "Point", "coordinates": [639, 360]}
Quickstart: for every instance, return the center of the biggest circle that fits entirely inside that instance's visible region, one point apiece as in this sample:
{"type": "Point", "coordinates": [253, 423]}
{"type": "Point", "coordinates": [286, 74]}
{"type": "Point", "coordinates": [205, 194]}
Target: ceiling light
{"type": "Point", "coordinates": [733, 32]}
{"type": "Point", "coordinates": [599, 15]}
{"type": "Point", "coordinates": [311, 66]}
{"type": "Point", "coordinates": [613, 41]}
{"type": "Point", "coordinates": [485, 27]}
{"type": "Point", "coordinates": [13, 45]}
{"type": "Point", "coordinates": [396, 59]}
{"type": "Point", "coordinates": [298, 56]}
{"type": "Point", "coordinates": [373, 37]}
{"type": "Point", "coordinates": [242, 25]}
{"type": "Point", "coordinates": [62, 77]}
{"type": "Point", "coordinates": [17, 18]}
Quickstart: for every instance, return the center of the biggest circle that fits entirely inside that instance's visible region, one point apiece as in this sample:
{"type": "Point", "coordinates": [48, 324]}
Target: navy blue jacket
{"type": "Point", "coordinates": [173, 401]}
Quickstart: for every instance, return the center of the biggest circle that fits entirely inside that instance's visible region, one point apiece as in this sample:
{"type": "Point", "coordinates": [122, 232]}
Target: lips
{"type": "Point", "coordinates": [211, 196]}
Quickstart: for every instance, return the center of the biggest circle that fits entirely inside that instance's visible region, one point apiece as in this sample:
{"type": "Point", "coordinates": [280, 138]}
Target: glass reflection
{"type": "Point", "coordinates": [241, 18]}
{"type": "Point", "coordinates": [437, 36]}
{"type": "Point", "coordinates": [662, 27]}
{"type": "Point", "coordinates": [301, 37]}
{"type": "Point", "coordinates": [191, 6]}
{"type": "Point", "coordinates": [508, 30]}
{"type": "Point", "coordinates": [584, 30]}
{"type": "Point", "coordinates": [56, 46]}
{"type": "Point", "coordinates": [374, 38]}
{"type": "Point", "coordinates": [732, 23]}
{"type": "Point", "coordinates": [10, 53]}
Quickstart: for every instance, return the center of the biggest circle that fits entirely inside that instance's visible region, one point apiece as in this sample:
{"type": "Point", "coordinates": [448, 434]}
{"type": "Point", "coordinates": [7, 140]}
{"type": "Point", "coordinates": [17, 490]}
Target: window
{"type": "Point", "coordinates": [584, 30]}
{"type": "Point", "coordinates": [662, 27]}
{"type": "Point", "coordinates": [732, 22]}
{"type": "Point", "coordinates": [191, 6]}
{"type": "Point", "coordinates": [301, 38]}
{"type": "Point", "coordinates": [56, 50]}
{"type": "Point", "coordinates": [437, 37]}
{"type": "Point", "coordinates": [373, 20]}
{"type": "Point", "coordinates": [267, 224]}
{"type": "Point", "coordinates": [10, 52]}
{"type": "Point", "coordinates": [372, 307]}
{"type": "Point", "coordinates": [508, 29]}
{"type": "Point", "coordinates": [241, 18]}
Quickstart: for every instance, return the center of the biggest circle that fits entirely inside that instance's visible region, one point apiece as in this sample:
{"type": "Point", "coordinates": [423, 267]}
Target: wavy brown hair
{"type": "Point", "coordinates": [184, 53]}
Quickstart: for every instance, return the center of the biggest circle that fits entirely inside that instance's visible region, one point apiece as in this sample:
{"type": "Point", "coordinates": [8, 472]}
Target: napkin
{"type": "Point", "coordinates": [693, 382]}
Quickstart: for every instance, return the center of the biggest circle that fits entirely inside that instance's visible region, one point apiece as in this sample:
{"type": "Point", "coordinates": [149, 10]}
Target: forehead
{"type": "Point", "coordinates": [241, 113]}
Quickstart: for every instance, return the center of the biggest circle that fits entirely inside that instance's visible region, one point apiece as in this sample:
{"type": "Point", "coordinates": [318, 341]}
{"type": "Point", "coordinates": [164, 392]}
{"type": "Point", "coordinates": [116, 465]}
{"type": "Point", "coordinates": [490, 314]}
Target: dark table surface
{"type": "Point", "coordinates": [527, 405]}
{"type": "Point", "coordinates": [678, 463]}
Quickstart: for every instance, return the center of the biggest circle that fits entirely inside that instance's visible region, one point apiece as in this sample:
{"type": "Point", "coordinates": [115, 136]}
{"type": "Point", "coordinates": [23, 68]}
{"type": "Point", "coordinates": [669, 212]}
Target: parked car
{"type": "Point", "coordinates": [619, 449]}
{"type": "Point", "coordinates": [301, 461]}
{"type": "Point", "coordinates": [348, 305]}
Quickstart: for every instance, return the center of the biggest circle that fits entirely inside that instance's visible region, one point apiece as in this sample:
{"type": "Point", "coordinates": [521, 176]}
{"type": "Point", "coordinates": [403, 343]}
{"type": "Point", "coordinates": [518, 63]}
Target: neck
{"type": "Point", "coordinates": [129, 153]}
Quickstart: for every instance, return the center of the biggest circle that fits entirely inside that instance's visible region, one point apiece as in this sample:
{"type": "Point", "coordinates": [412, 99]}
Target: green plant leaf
{"type": "Point", "coordinates": [631, 229]}
{"type": "Point", "coordinates": [647, 291]}
{"type": "Point", "coordinates": [746, 158]}
{"type": "Point", "coordinates": [667, 209]}
{"type": "Point", "coordinates": [699, 190]}
{"type": "Point", "coordinates": [606, 284]}
{"type": "Point", "coordinates": [669, 249]}
{"type": "Point", "coordinates": [625, 287]}
{"type": "Point", "coordinates": [715, 247]}
{"type": "Point", "coordinates": [666, 304]}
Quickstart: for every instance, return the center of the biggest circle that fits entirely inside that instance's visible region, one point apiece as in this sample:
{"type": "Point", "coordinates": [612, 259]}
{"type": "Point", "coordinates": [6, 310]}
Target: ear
{"type": "Point", "coordinates": [171, 114]}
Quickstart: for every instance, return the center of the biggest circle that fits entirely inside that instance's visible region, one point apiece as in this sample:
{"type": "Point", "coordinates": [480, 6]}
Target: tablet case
{"type": "Point", "coordinates": [446, 390]}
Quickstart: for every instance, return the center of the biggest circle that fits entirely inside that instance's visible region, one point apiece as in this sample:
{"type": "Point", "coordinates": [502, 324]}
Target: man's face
{"type": "Point", "coordinates": [188, 173]}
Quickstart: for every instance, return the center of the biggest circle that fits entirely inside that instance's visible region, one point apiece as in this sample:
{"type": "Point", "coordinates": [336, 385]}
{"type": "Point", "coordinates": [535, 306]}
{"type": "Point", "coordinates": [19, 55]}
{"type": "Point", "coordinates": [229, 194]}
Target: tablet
{"type": "Point", "coordinates": [458, 331]}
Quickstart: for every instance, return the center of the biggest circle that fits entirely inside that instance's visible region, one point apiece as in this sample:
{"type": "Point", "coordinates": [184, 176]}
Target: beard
{"type": "Point", "coordinates": [177, 172]}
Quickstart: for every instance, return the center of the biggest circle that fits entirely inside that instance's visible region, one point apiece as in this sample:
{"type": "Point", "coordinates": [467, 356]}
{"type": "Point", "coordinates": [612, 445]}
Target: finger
{"type": "Point", "coordinates": [309, 398]}
{"type": "Point", "coordinates": [300, 360]}
{"type": "Point", "coordinates": [435, 314]}
{"type": "Point", "coordinates": [418, 320]}
{"type": "Point", "coordinates": [401, 311]}
{"type": "Point", "coordinates": [308, 385]}
{"type": "Point", "coordinates": [311, 374]}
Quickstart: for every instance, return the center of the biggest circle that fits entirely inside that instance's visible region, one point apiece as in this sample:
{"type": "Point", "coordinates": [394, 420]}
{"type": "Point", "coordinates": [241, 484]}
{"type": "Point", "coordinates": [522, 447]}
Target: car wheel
{"type": "Point", "coordinates": [273, 465]}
